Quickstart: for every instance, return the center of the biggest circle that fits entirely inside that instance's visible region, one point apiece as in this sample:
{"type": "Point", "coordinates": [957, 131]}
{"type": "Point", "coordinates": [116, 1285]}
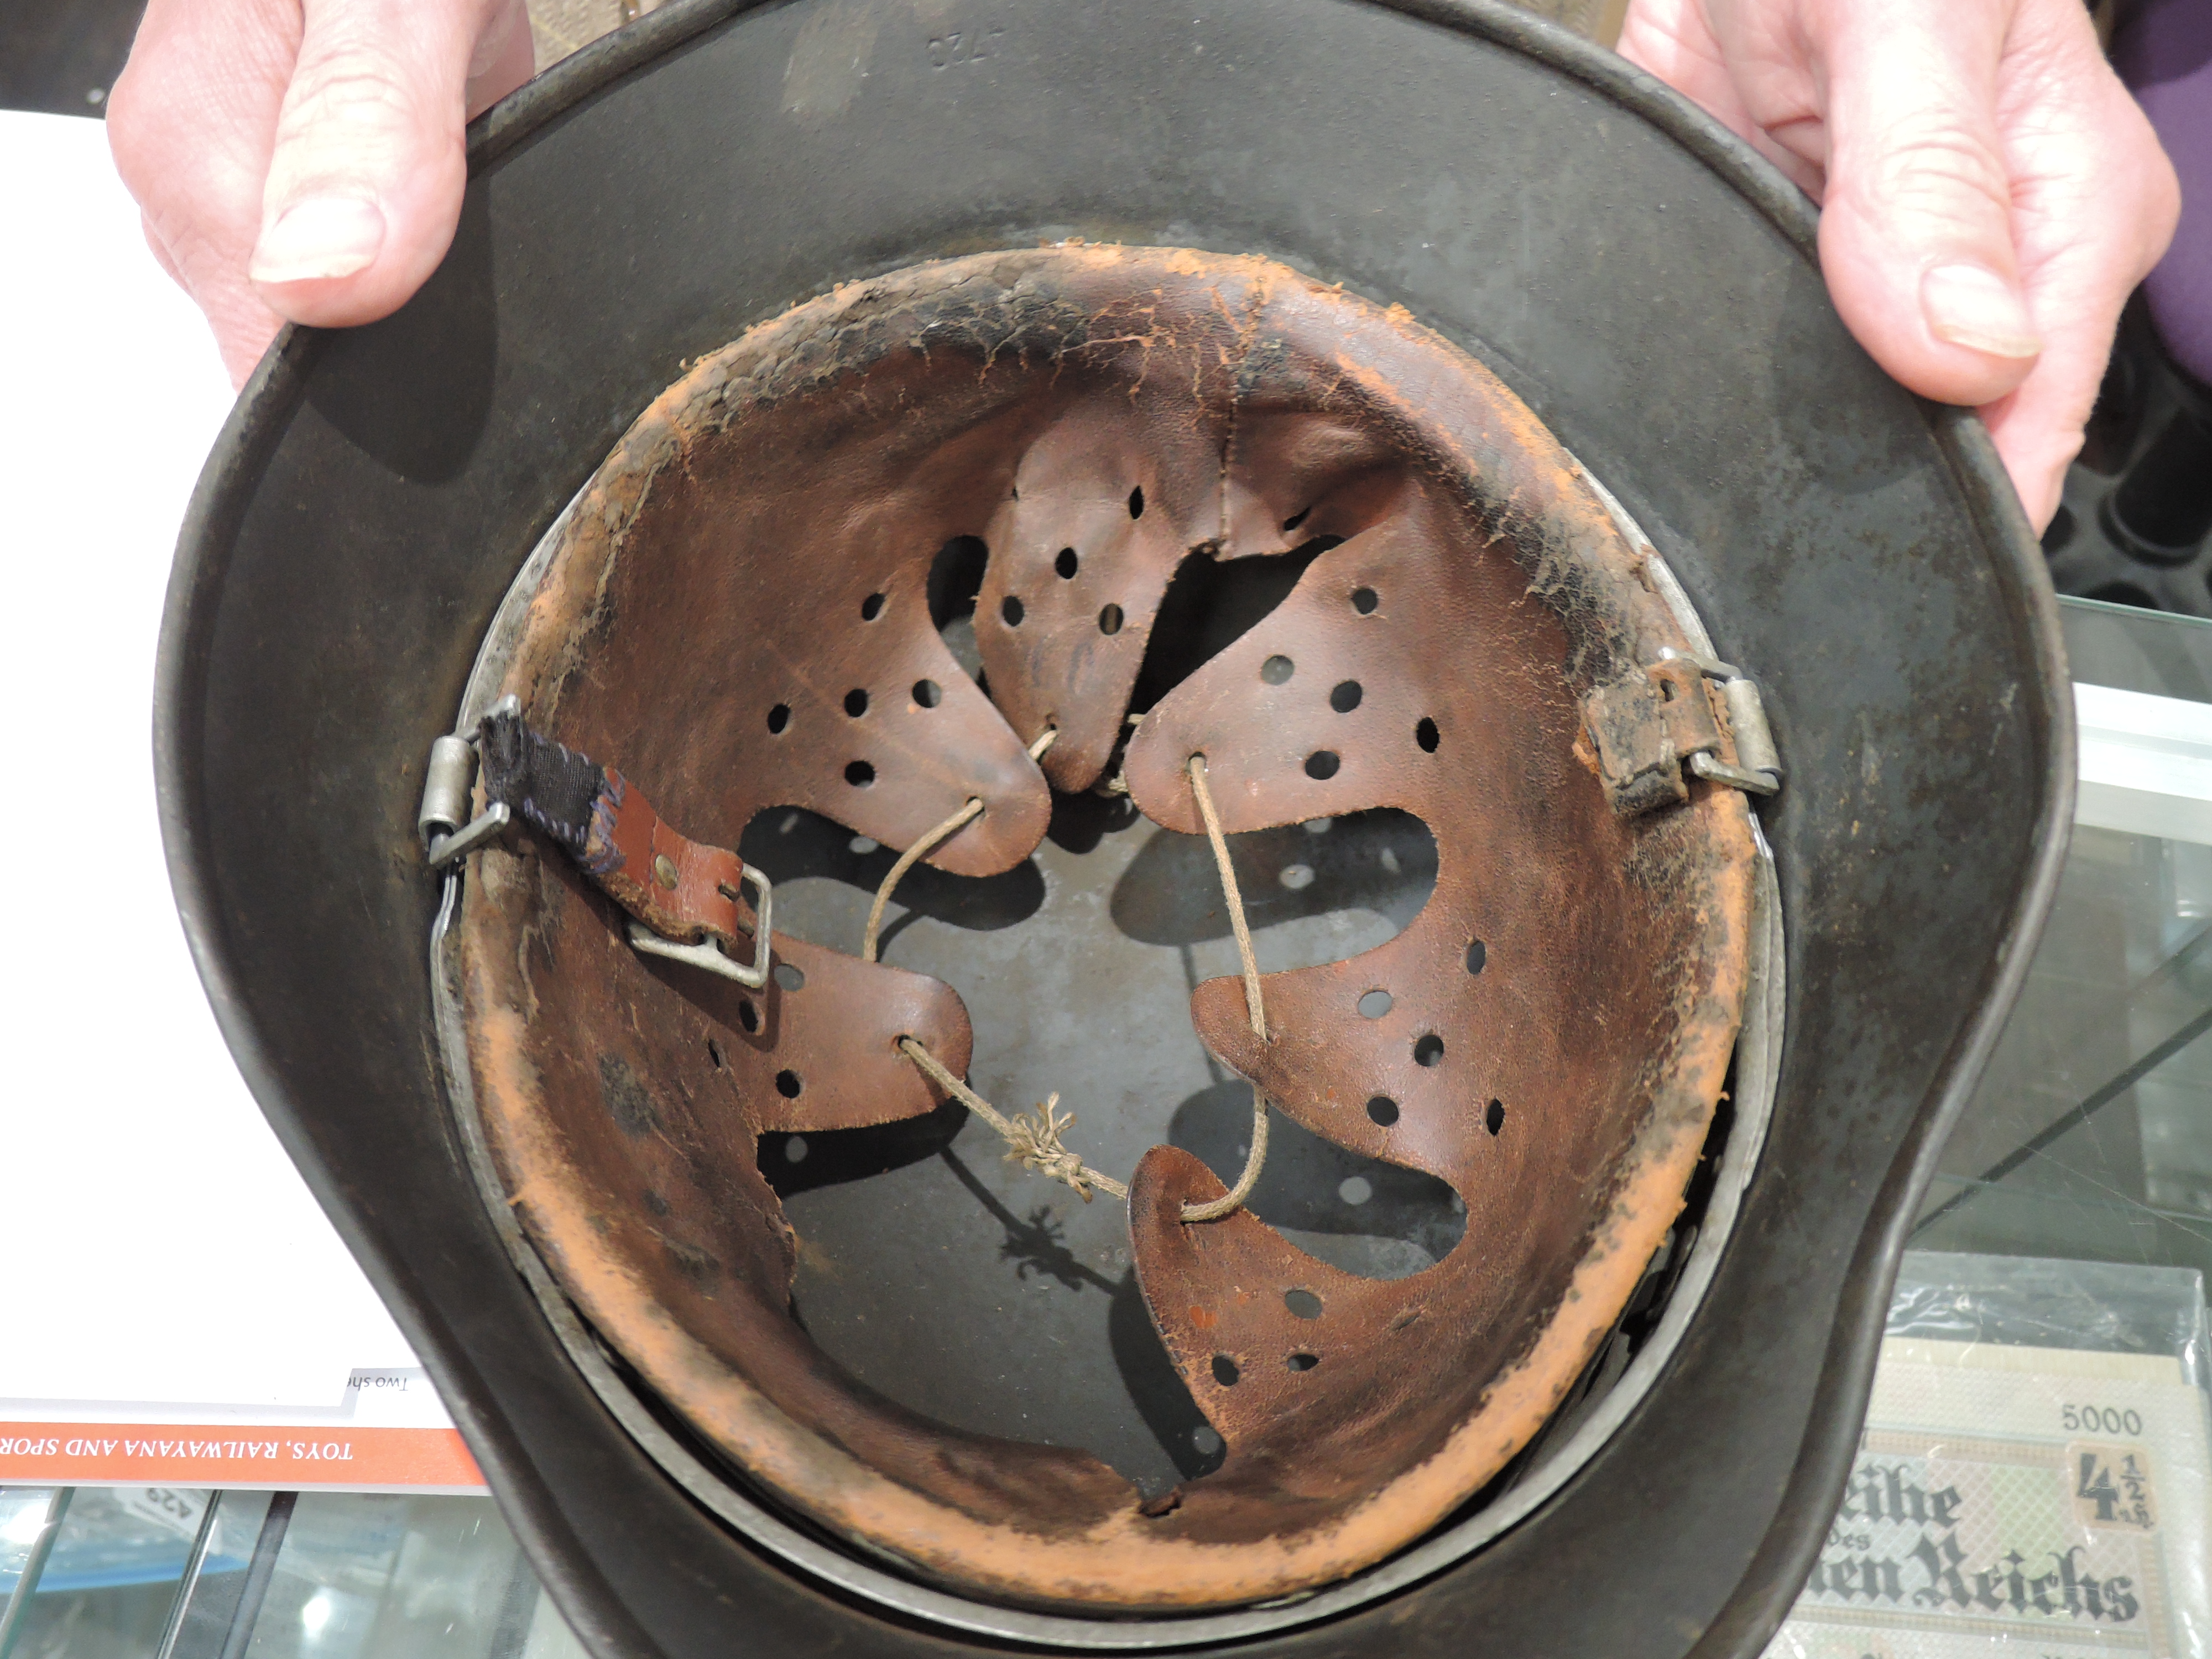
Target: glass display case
{"type": "Point", "coordinates": [2091, 1134]}
{"type": "Point", "coordinates": [150, 1573]}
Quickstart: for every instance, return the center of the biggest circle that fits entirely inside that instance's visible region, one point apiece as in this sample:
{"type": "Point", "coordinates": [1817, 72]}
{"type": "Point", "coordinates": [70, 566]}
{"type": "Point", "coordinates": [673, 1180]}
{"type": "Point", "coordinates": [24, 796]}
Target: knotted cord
{"type": "Point", "coordinates": [1031, 1141]}
{"type": "Point", "coordinates": [1034, 1141]}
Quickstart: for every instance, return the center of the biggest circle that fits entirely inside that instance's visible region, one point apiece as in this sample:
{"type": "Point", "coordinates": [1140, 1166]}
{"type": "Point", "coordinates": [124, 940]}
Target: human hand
{"type": "Point", "coordinates": [305, 161]}
{"type": "Point", "coordinates": [1991, 195]}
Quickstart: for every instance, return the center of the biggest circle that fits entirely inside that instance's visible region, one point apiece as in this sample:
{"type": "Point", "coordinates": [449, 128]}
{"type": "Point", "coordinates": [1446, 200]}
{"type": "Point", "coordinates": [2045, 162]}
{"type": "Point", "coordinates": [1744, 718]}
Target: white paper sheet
{"type": "Point", "coordinates": [155, 1243]}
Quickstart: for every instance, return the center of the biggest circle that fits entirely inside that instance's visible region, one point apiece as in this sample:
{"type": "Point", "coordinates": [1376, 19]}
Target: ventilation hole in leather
{"type": "Point", "coordinates": [1363, 601]}
{"type": "Point", "coordinates": [1426, 735]}
{"type": "Point", "coordinates": [1209, 606]}
{"type": "Point", "coordinates": [872, 607]}
{"type": "Point", "coordinates": [1321, 764]}
{"type": "Point", "coordinates": [956, 577]}
{"type": "Point", "coordinates": [1494, 1119]}
{"type": "Point", "coordinates": [1011, 609]}
{"type": "Point", "coordinates": [778, 718]}
{"type": "Point", "coordinates": [1295, 520]}
{"type": "Point", "coordinates": [1666, 690]}
{"type": "Point", "coordinates": [1110, 620]}
{"type": "Point", "coordinates": [1065, 563]}
{"type": "Point", "coordinates": [1301, 1362]}
{"type": "Point", "coordinates": [1382, 1111]}
{"type": "Point", "coordinates": [1375, 1004]}
{"type": "Point", "coordinates": [1225, 1371]}
{"type": "Point", "coordinates": [859, 774]}
{"type": "Point", "coordinates": [794, 1146]}
{"type": "Point", "coordinates": [928, 693]}
{"type": "Point", "coordinates": [1303, 1302]}
{"type": "Point", "coordinates": [714, 1053]}
{"type": "Point", "coordinates": [1276, 669]}
{"type": "Point", "coordinates": [788, 977]}
{"type": "Point", "coordinates": [788, 1085]}
{"type": "Point", "coordinates": [1355, 1189]}
{"type": "Point", "coordinates": [1429, 1051]}
{"type": "Point", "coordinates": [1477, 954]}
{"type": "Point", "coordinates": [1297, 876]}
{"type": "Point", "coordinates": [1137, 502]}
{"type": "Point", "coordinates": [748, 1017]}
{"type": "Point", "coordinates": [856, 702]}
{"type": "Point", "coordinates": [1345, 697]}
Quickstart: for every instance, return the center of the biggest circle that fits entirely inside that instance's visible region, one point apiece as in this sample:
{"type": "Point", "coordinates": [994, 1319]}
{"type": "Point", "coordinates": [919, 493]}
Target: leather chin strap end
{"type": "Point", "coordinates": [681, 889]}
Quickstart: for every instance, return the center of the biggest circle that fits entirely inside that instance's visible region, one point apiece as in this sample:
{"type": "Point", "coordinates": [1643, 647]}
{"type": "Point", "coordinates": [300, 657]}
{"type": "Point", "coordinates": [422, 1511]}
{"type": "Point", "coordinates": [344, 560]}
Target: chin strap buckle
{"type": "Point", "coordinates": [1683, 711]}
{"type": "Point", "coordinates": [708, 953]}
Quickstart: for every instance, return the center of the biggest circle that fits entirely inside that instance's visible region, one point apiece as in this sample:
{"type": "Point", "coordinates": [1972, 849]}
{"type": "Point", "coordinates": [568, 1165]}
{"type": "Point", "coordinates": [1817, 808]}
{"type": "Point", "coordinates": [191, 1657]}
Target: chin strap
{"type": "Point", "coordinates": [685, 899]}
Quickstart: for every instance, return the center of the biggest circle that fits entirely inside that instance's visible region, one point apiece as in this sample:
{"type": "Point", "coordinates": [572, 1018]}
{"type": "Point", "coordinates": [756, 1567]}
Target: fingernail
{"type": "Point", "coordinates": [1977, 308]}
{"type": "Point", "coordinates": [322, 237]}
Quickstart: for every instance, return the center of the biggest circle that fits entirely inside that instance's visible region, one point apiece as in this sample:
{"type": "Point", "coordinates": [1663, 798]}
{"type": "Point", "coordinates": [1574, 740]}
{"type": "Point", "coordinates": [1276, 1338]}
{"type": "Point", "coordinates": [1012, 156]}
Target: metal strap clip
{"type": "Point", "coordinates": [1683, 711]}
{"type": "Point", "coordinates": [1758, 766]}
{"type": "Point", "coordinates": [443, 823]}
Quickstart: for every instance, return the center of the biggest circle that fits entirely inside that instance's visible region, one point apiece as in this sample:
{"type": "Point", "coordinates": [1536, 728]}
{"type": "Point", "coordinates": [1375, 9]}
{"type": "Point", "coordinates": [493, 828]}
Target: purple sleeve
{"type": "Point", "coordinates": [2164, 54]}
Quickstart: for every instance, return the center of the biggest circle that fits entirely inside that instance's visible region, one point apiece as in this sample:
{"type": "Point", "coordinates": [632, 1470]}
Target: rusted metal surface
{"type": "Point", "coordinates": [738, 618]}
{"type": "Point", "coordinates": [1645, 724]}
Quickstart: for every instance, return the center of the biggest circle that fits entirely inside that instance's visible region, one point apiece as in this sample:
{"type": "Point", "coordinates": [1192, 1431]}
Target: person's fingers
{"type": "Point", "coordinates": [2096, 202]}
{"type": "Point", "coordinates": [1673, 40]}
{"type": "Point", "coordinates": [160, 253]}
{"type": "Point", "coordinates": [189, 122]}
{"type": "Point", "coordinates": [506, 56]}
{"type": "Point", "coordinates": [2037, 429]}
{"type": "Point", "coordinates": [364, 183]}
{"type": "Point", "coordinates": [1991, 193]}
{"type": "Point", "coordinates": [1917, 227]}
{"type": "Point", "coordinates": [211, 271]}
{"type": "Point", "coordinates": [193, 123]}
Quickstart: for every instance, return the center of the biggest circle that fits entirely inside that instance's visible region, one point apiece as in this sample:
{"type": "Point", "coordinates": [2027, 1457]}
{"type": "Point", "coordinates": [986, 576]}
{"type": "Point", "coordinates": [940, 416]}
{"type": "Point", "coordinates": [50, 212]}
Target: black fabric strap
{"type": "Point", "coordinates": [553, 788]}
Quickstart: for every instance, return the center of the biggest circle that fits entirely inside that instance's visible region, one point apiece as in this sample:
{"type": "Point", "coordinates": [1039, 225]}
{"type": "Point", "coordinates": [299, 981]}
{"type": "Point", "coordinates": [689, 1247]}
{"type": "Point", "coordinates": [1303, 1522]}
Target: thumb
{"type": "Point", "coordinates": [1917, 225]}
{"type": "Point", "coordinates": [364, 184]}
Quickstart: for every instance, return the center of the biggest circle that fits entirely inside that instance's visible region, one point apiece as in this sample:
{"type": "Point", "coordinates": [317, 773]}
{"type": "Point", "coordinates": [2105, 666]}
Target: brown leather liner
{"type": "Point", "coordinates": [711, 612]}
